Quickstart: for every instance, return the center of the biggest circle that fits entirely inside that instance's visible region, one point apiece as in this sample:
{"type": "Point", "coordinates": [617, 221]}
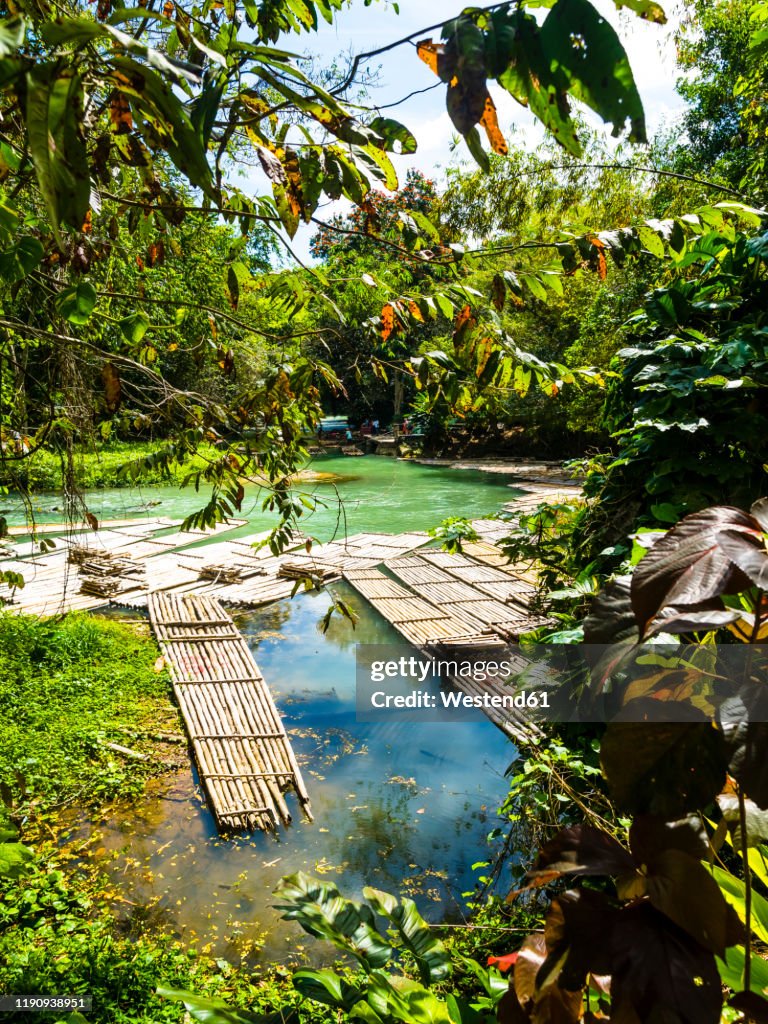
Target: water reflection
{"type": "Point", "coordinates": [398, 805]}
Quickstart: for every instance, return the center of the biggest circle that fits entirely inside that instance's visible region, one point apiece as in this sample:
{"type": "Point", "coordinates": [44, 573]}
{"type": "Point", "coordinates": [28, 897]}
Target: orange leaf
{"type": "Point", "coordinates": [498, 292]}
{"type": "Point", "coordinates": [415, 312]}
{"type": "Point", "coordinates": [465, 324]}
{"type": "Point", "coordinates": [464, 316]}
{"type": "Point", "coordinates": [293, 187]}
{"type": "Point", "coordinates": [430, 53]}
{"type": "Point", "coordinates": [387, 321]}
{"type": "Point", "coordinates": [112, 387]}
{"type": "Point", "coordinates": [602, 266]}
{"type": "Point", "coordinates": [156, 253]}
{"type": "Point", "coordinates": [87, 227]}
{"type": "Point", "coordinates": [167, 9]}
{"type": "Point", "coordinates": [490, 122]}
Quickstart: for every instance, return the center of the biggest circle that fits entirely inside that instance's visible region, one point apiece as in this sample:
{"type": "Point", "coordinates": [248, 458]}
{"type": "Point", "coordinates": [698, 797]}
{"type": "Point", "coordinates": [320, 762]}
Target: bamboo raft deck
{"type": "Point", "coordinates": [53, 580]}
{"type": "Point", "coordinates": [242, 750]}
{"type": "Point", "coordinates": [263, 577]}
{"type": "Point", "coordinates": [470, 590]}
{"type": "Point", "coordinates": [447, 632]}
{"type": "Point", "coordinates": [536, 494]}
{"type": "Point", "coordinates": [421, 622]}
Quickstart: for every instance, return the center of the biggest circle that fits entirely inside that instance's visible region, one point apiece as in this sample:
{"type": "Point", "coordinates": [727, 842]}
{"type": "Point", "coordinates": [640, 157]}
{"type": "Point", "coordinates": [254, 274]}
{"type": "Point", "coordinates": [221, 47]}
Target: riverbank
{"type": "Point", "coordinates": [104, 467]}
{"type": "Point", "coordinates": [524, 470]}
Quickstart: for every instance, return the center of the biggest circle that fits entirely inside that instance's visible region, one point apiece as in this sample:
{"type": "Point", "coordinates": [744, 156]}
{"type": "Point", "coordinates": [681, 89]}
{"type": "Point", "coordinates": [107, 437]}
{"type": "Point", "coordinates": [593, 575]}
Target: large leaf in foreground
{"type": "Point", "coordinates": [665, 768]}
{"type": "Point", "coordinates": [322, 911]}
{"type": "Point", "coordinates": [430, 953]}
{"type": "Point", "coordinates": [688, 566]}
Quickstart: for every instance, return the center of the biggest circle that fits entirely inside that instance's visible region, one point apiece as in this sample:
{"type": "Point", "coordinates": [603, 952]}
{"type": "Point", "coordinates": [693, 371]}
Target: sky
{"type": "Point", "coordinates": [359, 29]}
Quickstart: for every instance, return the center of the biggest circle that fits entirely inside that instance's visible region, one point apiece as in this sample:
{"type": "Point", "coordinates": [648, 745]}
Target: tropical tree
{"type": "Point", "coordinates": [127, 122]}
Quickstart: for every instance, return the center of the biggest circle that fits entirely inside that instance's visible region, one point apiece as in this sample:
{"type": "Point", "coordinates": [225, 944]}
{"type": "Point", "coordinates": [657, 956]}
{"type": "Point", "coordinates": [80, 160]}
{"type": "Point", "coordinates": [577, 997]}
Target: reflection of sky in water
{"type": "Point", "coordinates": [404, 806]}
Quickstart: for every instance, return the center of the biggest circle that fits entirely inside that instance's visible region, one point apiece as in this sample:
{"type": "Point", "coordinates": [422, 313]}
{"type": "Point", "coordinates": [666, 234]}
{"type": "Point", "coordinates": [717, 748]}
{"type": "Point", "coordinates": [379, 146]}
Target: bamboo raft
{"type": "Point", "coordinates": [243, 753]}
{"type": "Point", "coordinates": [454, 635]}
{"type": "Point", "coordinates": [536, 494]}
{"type": "Point", "coordinates": [421, 622]}
{"type": "Point", "coordinates": [469, 590]}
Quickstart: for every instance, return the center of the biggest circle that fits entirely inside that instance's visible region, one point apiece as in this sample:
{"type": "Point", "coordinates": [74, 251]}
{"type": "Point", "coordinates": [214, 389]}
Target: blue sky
{"type": "Point", "coordinates": [358, 29]}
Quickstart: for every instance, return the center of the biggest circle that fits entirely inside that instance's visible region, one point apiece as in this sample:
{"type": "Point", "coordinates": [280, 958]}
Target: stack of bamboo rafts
{"type": "Point", "coordinates": [104, 573]}
{"type": "Point", "coordinates": [318, 572]}
{"type": "Point", "coordinates": [221, 573]}
{"type": "Point", "coordinates": [242, 750]}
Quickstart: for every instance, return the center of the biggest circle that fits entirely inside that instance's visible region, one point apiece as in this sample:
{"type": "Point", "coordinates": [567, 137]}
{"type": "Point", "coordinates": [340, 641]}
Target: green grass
{"type": "Point", "coordinates": [67, 687]}
{"type": "Point", "coordinates": [100, 468]}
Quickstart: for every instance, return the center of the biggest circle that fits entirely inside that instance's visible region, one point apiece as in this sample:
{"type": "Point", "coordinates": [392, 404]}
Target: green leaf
{"type": "Point", "coordinates": [731, 969]}
{"type": "Point", "coordinates": [734, 890]}
{"type": "Point", "coordinates": [167, 120]}
{"type": "Point", "coordinates": [289, 215]}
{"type": "Point", "coordinates": [21, 259]}
{"type": "Point", "coordinates": [9, 221]}
{"type": "Point", "coordinates": [665, 512]}
{"type": "Point", "coordinates": [585, 48]}
{"type": "Point", "coordinates": [445, 305]}
{"type": "Point", "coordinates": [429, 952]}
{"type": "Point", "coordinates": [325, 986]}
{"type": "Point", "coordinates": [77, 303]}
{"type": "Point", "coordinates": [135, 326]}
{"type": "Point", "coordinates": [12, 33]}
{"type": "Point", "coordinates": [211, 1010]}
{"type": "Point", "coordinates": [237, 275]}
{"type": "Point", "coordinates": [322, 911]}
{"type": "Point", "coordinates": [54, 117]}
{"type": "Point", "coordinates": [528, 75]}
{"type": "Point", "coordinates": [14, 859]}
{"type": "Point", "coordinates": [383, 166]}
{"type": "Point", "coordinates": [405, 1000]}
{"type": "Point", "coordinates": [396, 137]}
{"type": "Point", "coordinates": [535, 286]}
{"type": "Point", "coordinates": [475, 147]}
{"type": "Point", "coordinates": [647, 9]}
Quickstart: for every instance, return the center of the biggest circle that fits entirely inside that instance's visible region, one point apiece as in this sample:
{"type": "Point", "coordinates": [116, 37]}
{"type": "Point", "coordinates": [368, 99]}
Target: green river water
{"type": "Point", "coordinates": [402, 806]}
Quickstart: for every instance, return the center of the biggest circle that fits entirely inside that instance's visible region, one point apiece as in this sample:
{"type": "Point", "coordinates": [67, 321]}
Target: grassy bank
{"type": "Point", "coordinates": [99, 468]}
{"type": "Point", "coordinates": [69, 688]}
